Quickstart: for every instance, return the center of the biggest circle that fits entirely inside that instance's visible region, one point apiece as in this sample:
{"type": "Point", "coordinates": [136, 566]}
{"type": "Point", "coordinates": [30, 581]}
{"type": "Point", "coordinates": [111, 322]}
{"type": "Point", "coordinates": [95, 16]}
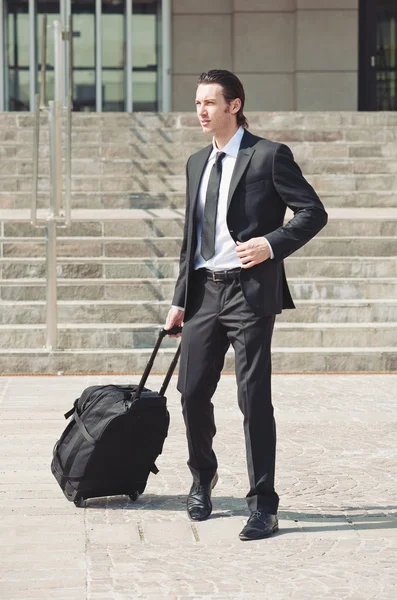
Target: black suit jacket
{"type": "Point", "coordinates": [265, 180]}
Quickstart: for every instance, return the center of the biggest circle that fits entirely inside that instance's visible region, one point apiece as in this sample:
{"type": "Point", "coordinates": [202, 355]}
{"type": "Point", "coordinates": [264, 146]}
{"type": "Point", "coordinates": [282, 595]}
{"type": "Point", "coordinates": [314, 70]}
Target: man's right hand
{"type": "Point", "coordinates": [174, 317]}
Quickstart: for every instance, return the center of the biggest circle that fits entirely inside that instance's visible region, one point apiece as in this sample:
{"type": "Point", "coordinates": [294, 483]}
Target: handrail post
{"type": "Point", "coordinates": [51, 237]}
{"type": "Point", "coordinates": [55, 122]}
{"type": "Point", "coordinates": [56, 110]}
{"type": "Point", "coordinates": [38, 105]}
{"type": "Point", "coordinates": [36, 140]}
{"type": "Point", "coordinates": [68, 157]}
{"type": "Point", "coordinates": [58, 95]}
{"type": "Point", "coordinates": [43, 62]}
{"type": "Point", "coordinates": [51, 248]}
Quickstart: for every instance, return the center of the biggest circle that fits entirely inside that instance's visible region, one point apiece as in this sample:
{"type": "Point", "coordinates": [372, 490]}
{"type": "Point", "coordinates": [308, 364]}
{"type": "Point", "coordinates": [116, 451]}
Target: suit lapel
{"type": "Point", "coordinates": [243, 158]}
{"type": "Point", "coordinates": [200, 160]}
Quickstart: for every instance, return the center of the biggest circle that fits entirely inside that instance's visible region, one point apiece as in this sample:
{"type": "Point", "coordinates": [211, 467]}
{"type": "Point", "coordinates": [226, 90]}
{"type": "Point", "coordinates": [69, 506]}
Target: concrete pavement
{"type": "Point", "coordinates": [336, 476]}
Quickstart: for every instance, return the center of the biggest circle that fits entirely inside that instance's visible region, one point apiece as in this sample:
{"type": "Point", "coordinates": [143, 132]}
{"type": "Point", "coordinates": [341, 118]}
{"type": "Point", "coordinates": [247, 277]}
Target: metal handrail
{"type": "Point", "coordinates": [58, 95]}
{"type": "Point", "coordinates": [36, 141]}
{"type": "Point", "coordinates": [43, 62]}
{"type": "Point", "coordinates": [39, 104]}
{"type": "Point", "coordinates": [68, 157]}
{"type": "Point", "coordinates": [55, 117]}
{"type": "Point", "coordinates": [51, 233]}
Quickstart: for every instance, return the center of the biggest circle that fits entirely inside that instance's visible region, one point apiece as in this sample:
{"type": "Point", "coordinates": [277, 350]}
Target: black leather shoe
{"type": "Point", "coordinates": [259, 525]}
{"type": "Point", "coordinates": [199, 506]}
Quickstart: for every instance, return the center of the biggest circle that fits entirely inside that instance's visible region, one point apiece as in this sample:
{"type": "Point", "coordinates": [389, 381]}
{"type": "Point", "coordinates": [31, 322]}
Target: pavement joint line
{"type": "Point", "coordinates": [140, 531]}
{"type": "Point", "coordinates": [162, 373]}
{"type": "Point", "coordinates": [195, 532]}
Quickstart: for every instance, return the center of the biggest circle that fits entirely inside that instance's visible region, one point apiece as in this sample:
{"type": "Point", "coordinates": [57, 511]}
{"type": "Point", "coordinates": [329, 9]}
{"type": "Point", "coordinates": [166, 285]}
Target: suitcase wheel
{"type": "Point", "coordinates": [80, 503]}
{"type": "Point", "coordinates": [134, 496]}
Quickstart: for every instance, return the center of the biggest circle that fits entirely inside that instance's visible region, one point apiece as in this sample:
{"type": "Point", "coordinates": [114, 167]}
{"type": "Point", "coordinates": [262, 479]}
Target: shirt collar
{"type": "Point", "coordinates": [233, 145]}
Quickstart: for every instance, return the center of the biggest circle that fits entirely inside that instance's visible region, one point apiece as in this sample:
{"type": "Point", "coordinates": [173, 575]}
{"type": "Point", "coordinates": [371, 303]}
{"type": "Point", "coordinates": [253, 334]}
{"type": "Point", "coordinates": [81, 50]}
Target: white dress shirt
{"type": "Point", "coordinates": [225, 256]}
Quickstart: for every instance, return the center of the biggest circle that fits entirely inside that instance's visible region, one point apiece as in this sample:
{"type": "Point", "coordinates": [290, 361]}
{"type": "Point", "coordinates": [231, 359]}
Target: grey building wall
{"type": "Point", "coordinates": [289, 54]}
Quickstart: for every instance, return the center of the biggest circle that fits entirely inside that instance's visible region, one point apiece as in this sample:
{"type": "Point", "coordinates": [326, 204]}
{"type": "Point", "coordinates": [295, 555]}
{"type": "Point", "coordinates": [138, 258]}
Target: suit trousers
{"type": "Point", "coordinates": [217, 315]}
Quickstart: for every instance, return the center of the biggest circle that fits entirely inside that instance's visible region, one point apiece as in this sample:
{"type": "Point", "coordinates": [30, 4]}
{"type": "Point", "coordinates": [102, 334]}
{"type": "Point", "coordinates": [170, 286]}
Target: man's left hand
{"type": "Point", "coordinates": [253, 252]}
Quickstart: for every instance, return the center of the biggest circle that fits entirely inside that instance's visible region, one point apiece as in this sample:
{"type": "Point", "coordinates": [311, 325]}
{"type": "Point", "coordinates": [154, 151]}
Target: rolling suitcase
{"type": "Point", "coordinates": [114, 437]}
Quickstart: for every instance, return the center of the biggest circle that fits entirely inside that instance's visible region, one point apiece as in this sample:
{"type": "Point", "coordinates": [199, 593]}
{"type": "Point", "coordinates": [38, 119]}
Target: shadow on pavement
{"type": "Point", "coordinates": [228, 506]}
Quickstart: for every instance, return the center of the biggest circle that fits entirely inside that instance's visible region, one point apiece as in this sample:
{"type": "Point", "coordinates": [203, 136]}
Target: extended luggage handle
{"type": "Point", "coordinates": [162, 334]}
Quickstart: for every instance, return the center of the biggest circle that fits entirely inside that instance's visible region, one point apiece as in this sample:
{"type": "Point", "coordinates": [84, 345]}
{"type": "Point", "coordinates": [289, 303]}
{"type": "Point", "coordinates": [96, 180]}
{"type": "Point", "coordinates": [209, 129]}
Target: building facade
{"type": "Point", "coordinates": [145, 55]}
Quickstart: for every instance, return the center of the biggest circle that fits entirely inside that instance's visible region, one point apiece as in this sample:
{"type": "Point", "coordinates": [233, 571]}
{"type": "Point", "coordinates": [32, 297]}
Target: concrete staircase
{"type": "Point", "coordinates": [117, 263]}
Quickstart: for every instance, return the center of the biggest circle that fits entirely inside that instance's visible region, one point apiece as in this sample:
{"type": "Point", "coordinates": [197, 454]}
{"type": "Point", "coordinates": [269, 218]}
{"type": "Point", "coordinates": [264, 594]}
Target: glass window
{"type": "Point", "coordinates": [145, 55]}
{"type": "Point", "coordinates": [386, 55]}
{"type": "Point", "coordinates": [113, 49]}
{"type": "Point", "coordinates": [145, 43]}
{"type": "Point", "coordinates": [84, 76]}
{"type": "Point", "coordinates": [18, 55]}
{"type": "Point", "coordinates": [51, 9]}
{"type": "Point", "coordinates": [17, 36]}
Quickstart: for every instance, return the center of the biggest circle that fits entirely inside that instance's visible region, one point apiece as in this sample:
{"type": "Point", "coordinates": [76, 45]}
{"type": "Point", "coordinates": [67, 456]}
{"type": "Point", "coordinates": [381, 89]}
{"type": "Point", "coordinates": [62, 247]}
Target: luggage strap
{"type": "Point", "coordinates": [83, 429]}
{"type": "Point", "coordinates": [153, 469]}
{"type": "Point", "coordinates": [71, 411]}
{"type": "Point", "coordinates": [66, 477]}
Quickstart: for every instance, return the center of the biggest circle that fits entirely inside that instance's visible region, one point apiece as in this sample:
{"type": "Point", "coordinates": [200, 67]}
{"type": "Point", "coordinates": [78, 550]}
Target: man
{"type": "Point", "coordinates": [232, 284]}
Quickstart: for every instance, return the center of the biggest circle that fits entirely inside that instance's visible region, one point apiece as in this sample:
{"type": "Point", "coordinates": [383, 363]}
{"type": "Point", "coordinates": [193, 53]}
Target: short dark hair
{"type": "Point", "coordinates": [232, 89]}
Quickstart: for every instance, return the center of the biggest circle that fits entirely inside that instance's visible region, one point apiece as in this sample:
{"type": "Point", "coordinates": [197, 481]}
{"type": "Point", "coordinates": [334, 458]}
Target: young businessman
{"type": "Point", "coordinates": [231, 285]}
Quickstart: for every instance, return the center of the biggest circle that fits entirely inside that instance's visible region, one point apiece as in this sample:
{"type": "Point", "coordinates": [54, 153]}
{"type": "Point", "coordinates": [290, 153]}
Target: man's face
{"type": "Point", "coordinates": [214, 113]}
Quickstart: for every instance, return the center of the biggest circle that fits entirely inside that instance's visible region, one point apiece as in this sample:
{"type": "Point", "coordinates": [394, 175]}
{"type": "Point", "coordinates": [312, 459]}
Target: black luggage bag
{"type": "Point", "coordinates": [114, 437]}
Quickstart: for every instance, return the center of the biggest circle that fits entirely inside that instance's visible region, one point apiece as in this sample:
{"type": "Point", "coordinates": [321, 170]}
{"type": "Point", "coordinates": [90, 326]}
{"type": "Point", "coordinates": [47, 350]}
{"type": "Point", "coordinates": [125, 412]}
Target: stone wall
{"type": "Point", "coordinates": [289, 54]}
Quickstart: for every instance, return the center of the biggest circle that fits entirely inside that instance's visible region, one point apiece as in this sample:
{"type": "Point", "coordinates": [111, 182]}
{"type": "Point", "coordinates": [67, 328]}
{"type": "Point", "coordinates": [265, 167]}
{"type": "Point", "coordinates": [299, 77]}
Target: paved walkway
{"type": "Point", "coordinates": [337, 479]}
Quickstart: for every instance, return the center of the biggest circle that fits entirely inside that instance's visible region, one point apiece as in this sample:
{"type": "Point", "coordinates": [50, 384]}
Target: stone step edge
{"type": "Point", "coordinates": [311, 125]}
{"type": "Point", "coordinates": [169, 280]}
{"type": "Point", "coordinates": [123, 214]}
{"type": "Point", "coordinates": [285, 360]}
{"type": "Point", "coordinates": [135, 239]}
{"type": "Point", "coordinates": [154, 162]}
{"type": "Point", "coordinates": [175, 200]}
{"type": "Point", "coordinates": [147, 195]}
{"type": "Point", "coordinates": [134, 351]}
{"type": "Point", "coordinates": [317, 302]}
{"type": "Point", "coordinates": [155, 327]}
{"type": "Point", "coordinates": [137, 280]}
{"type": "Point", "coordinates": [108, 125]}
{"type": "Point", "coordinates": [178, 175]}
{"type": "Point", "coordinates": [102, 214]}
{"type": "Point", "coordinates": [170, 259]}
{"type": "Point", "coordinates": [198, 144]}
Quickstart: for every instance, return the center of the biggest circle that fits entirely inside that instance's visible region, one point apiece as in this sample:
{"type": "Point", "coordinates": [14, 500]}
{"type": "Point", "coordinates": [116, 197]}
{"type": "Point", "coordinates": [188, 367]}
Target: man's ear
{"type": "Point", "coordinates": [236, 105]}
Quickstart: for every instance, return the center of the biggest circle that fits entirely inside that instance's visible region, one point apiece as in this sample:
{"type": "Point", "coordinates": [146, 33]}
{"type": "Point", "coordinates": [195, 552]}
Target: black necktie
{"type": "Point", "coordinates": [211, 208]}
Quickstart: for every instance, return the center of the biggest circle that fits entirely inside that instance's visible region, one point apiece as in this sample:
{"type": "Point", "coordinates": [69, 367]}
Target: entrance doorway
{"type": "Point", "coordinates": [378, 55]}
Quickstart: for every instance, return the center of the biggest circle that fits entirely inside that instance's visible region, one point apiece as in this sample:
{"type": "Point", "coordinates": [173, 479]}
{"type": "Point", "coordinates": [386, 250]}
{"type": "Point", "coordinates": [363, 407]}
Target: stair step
{"type": "Point", "coordinates": [83, 200]}
{"type": "Point", "coordinates": [152, 120]}
{"type": "Point", "coordinates": [104, 133]}
{"type": "Point", "coordinates": [115, 268]}
{"type": "Point", "coordinates": [361, 165]}
{"type": "Point", "coordinates": [170, 246]}
{"type": "Point", "coordinates": [149, 226]}
{"type": "Point", "coordinates": [121, 361]}
{"type": "Point", "coordinates": [133, 311]}
{"type": "Point", "coordinates": [350, 183]}
{"type": "Point", "coordinates": [134, 163]}
{"type": "Point", "coordinates": [164, 151]}
{"type": "Point", "coordinates": [162, 289]}
{"type": "Point", "coordinates": [131, 181]}
{"type": "Point", "coordinates": [97, 336]}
